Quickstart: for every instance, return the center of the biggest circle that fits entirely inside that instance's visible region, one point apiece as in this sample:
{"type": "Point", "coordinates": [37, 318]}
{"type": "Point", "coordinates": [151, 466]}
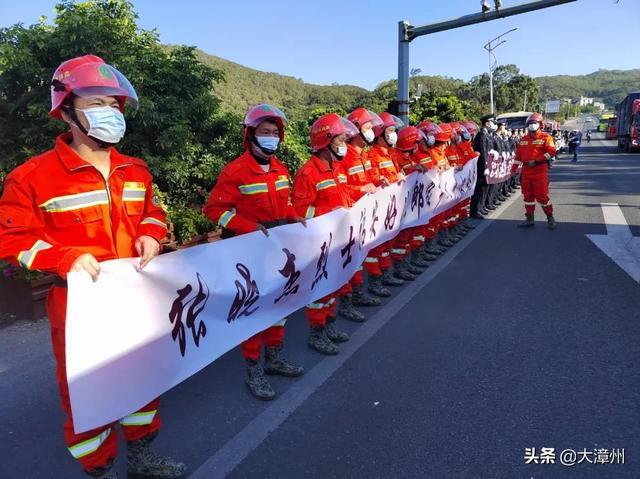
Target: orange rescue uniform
{"type": "Point", "coordinates": [56, 207]}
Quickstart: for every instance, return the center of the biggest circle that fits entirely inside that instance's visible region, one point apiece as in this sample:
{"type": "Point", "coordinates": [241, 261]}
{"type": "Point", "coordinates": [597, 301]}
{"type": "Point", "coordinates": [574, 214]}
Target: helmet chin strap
{"type": "Point", "coordinates": [76, 121]}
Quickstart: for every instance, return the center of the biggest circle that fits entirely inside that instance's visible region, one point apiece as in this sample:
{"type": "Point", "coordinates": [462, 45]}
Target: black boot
{"type": "Point", "coordinates": [400, 271]}
{"type": "Point", "coordinates": [332, 333]}
{"type": "Point", "coordinates": [319, 341]}
{"type": "Point", "coordinates": [388, 279]}
{"type": "Point", "coordinates": [105, 472]}
{"type": "Point", "coordinates": [444, 239]}
{"type": "Point", "coordinates": [347, 310]}
{"type": "Point", "coordinates": [375, 287]}
{"type": "Point", "coordinates": [551, 222]}
{"type": "Point", "coordinates": [142, 462]}
{"type": "Point", "coordinates": [529, 222]}
{"type": "Point", "coordinates": [257, 383]}
{"type": "Point", "coordinates": [360, 298]}
{"type": "Point", "coordinates": [275, 365]}
{"type": "Point", "coordinates": [431, 247]}
{"type": "Point", "coordinates": [417, 259]}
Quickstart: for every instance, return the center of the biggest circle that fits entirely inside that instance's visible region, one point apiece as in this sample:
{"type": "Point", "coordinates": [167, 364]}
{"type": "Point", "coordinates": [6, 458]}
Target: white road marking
{"type": "Point", "coordinates": [619, 244]}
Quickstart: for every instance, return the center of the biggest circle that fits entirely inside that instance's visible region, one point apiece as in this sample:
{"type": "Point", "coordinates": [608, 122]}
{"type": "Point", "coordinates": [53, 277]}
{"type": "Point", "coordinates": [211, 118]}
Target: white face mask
{"type": "Point", "coordinates": [431, 140]}
{"type": "Point", "coordinates": [392, 138]}
{"type": "Point", "coordinates": [369, 136]}
{"type": "Point", "coordinates": [105, 123]}
{"type": "Point", "coordinates": [533, 127]}
{"type": "Point", "coordinates": [493, 127]}
{"type": "Point", "coordinates": [342, 151]}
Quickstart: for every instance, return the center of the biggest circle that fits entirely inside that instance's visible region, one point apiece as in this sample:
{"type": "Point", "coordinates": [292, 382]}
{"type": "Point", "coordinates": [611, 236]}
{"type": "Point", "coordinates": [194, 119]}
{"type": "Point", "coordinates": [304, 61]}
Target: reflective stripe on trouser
{"type": "Point", "coordinates": [318, 311]}
{"type": "Point", "coordinates": [97, 447]}
{"type": "Point", "coordinates": [536, 188]}
{"type": "Point", "coordinates": [385, 255]}
{"type": "Point", "coordinates": [417, 237]}
{"type": "Point", "coordinates": [270, 337]}
{"type": "Point", "coordinates": [372, 261]}
{"type": "Point", "coordinates": [401, 245]}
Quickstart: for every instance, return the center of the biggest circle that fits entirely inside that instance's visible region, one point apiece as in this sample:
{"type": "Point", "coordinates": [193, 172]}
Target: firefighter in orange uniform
{"type": "Point", "coordinates": [355, 178]}
{"type": "Point", "coordinates": [534, 152]}
{"type": "Point", "coordinates": [404, 155]}
{"type": "Point", "coordinates": [252, 194]}
{"type": "Point", "coordinates": [317, 190]}
{"type": "Point", "coordinates": [386, 172]}
{"type": "Point", "coordinates": [442, 153]}
{"type": "Point", "coordinates": [367, 181]}
{"type": "Point", "coordinates": [431, 159]}
{"type": "Point", "coordinates": [466, 153]}
{"type": "Point", "coordinates": [100, 206]}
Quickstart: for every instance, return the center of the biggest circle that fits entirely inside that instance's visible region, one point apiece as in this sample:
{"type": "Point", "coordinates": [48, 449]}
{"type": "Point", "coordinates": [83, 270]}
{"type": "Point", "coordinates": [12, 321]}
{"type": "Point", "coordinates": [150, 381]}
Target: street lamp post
{"type": "Point", "coordinates": [490, 46]}
{"type": "Point", "coordinates": [408, 33]}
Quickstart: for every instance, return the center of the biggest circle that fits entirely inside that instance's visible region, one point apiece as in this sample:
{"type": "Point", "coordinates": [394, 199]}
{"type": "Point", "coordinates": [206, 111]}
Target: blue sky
{"type": "Point", "coordinates": [355, 42]}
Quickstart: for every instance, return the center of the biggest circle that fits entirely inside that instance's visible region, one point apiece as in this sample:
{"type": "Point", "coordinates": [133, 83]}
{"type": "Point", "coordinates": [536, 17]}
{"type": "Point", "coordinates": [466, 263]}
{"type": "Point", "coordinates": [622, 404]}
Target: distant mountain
{"type": "Point", "coordinates": [246, 86]}
{"type": "Point", "coordinates": [610, 86]}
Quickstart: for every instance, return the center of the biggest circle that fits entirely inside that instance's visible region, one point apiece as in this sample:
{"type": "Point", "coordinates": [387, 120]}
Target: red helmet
{"type": "Point", "coordinates": [259, 113]}
{"type": "Point", "coordinates": [535, 117]}
{"type": "Point", "coordinates": [445, 133]}
{"type": "Point", "coordinates": [388, 121]}
{"type": "Point", "coordinates": [460, 130]}
{"type": "Point", "coordinates": [361, 115]}
{"type": "Point", "coordinates": [429, 128]}
{"type": "Point", "coordinates": [408, 138]}
{"type": "Point", "coordinates": [86, 76]}
{"type": "Point", "coordinates": [470, 126]}
{"type": "Point", "coordinates": [325, 129]}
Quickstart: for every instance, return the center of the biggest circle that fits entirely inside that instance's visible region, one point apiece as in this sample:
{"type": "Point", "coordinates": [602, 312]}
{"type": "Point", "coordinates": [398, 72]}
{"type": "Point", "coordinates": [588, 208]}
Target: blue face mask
{"type": "Point", "coordinates": [268, 143]}
{"type": "Point", "coordinates": [466, 136]}
{"type": "Point", "coordinates": [105, 123]}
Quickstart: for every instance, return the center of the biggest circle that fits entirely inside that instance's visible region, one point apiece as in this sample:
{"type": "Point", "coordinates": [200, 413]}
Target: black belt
{"type": "Point", "coordinates": [58, 281]}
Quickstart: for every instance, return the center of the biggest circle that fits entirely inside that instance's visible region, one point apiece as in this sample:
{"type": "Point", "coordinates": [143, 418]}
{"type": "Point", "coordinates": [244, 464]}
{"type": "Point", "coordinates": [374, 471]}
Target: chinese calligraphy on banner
{"type": "Point", "coordinates": [132, 336]}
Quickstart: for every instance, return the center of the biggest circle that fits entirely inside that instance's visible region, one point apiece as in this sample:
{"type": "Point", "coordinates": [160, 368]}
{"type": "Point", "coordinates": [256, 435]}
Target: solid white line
{"type": "Point", "coordinates": [616, 223]}
{"type": "Point", "coordinates": [229, 456]}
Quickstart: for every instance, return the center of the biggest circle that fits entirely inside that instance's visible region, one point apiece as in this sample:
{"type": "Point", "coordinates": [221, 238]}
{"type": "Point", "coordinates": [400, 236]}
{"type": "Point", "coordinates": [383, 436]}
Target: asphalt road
{"type": "Point", "coordinates": [514, 339]}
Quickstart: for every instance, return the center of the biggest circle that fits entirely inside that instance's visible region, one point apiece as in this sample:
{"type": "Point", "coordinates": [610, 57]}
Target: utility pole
{"type": "Point", "coordinates": [524, 107]}
{"type": "Point", "coordinates": [490, 46]}
{"type": "Point", "coordinates": [407, 33]}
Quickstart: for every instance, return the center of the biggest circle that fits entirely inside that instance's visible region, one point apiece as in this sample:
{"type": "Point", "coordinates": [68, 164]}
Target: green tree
{"type": "Point", "coordinates": [180, 129]}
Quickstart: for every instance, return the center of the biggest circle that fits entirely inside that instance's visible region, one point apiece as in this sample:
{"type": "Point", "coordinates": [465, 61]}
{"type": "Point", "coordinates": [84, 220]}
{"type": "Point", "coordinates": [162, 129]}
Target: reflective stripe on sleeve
{"type": "Point", "coordinates": [370, 259]}
{"type": "Point", "coordinates": [226, 217]}
{"type": "Point", "coordinates": [26, 258]}
{"type": "Point", "coordinates": [311, 211]}
{"type": "Point", "coordinates": [90, 445]}
{"type": "Point", "coordinates": [386, 164]}
{"type": "Point", "coordinates": [139, 418]}
{"type": "Point", "coordinates": [152, 221]}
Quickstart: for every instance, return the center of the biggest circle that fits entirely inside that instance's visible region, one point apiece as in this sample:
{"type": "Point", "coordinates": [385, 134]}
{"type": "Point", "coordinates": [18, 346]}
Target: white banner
{"type": "Point", "coordinates": [132, 336]}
